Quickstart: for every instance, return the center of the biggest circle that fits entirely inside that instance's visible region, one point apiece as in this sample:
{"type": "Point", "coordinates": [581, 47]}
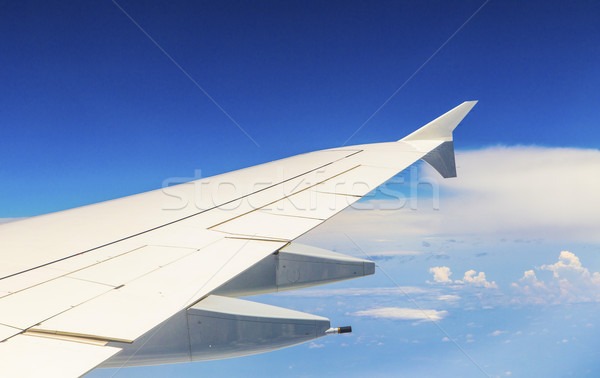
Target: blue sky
{"type": "Point", "coordinates": [92, 110]}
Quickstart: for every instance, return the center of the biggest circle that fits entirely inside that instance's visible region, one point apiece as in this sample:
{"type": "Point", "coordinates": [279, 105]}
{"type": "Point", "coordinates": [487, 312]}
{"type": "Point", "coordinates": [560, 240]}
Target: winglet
{"type": "Point", "coordinates": [441, 128]}
{"type": "Point", "coordinates": [442, 159]}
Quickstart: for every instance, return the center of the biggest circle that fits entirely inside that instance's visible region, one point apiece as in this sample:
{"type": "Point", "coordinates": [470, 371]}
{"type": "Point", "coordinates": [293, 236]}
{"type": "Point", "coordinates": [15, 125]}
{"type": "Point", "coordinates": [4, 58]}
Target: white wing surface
{"type": "Point", "coordinates": [118, 283]}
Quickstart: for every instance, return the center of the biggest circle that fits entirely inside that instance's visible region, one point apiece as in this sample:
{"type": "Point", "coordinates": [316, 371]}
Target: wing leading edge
{"type": "Point", "coordinates": [119, 282]}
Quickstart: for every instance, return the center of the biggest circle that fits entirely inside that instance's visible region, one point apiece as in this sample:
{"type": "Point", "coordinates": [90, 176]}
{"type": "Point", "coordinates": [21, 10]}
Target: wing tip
{"type": "Point", "coordinates": [442, 127]}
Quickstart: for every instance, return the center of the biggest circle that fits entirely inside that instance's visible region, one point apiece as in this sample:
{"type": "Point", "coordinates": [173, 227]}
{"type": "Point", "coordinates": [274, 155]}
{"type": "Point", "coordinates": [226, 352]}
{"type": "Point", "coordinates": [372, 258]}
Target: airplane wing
{"type": "Point", "coordinates": [154, 278]}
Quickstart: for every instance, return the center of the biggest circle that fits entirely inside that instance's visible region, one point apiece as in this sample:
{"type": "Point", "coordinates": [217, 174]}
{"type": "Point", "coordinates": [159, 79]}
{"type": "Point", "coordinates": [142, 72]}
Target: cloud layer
{"type": "Point", "coordinates": [356, 291]}
{"type": "Point", "coordinates": [403, 313]}
{"type": "Point", "coordinates": [500, 192]}
{"type": "Point", "coordinates": [533, 191]}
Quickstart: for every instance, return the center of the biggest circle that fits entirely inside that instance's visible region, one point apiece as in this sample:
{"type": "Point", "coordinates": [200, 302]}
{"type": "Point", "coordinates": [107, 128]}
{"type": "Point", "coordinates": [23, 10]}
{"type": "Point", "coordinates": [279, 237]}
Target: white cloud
{"type": "Point", "coordinates": [314, 345]}
{"type": "Point", "coordinates": [448, 297]}
{"type": "Point", "coordinates": [571, 282]}
{"type": "Point", "coordinates": [497, 333]}
{"type": "Point", "coordinates": [472, 278]}
{"type": "Point", "coordinates": [441, 274]}
{"type": "Point", "coordinates": [394, 253]}
{"type": "Point", "coordinates": [530, 277]}
{"type": "Point", "coordinates": [402, 313]}
{"type": "Point", "coordinates": [356, 291]}
{"type": "Point", "coordinates": [569, 264]}
{"type": "Point", "coordinates": [532, 191]}
{"type": "Point", "coordinates": [530, 289]}
{"type": "Point", "coordinates": [501, 192]}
